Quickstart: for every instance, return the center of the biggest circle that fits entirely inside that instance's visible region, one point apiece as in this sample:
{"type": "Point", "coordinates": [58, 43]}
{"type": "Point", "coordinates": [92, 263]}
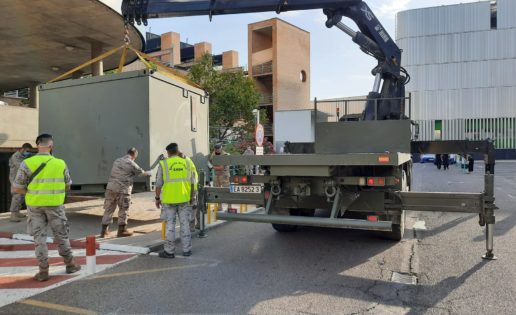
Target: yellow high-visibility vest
{"type": "Point", "coordinates": [48, 187]}
{"type": "Point", "coordinates": [178, 177]}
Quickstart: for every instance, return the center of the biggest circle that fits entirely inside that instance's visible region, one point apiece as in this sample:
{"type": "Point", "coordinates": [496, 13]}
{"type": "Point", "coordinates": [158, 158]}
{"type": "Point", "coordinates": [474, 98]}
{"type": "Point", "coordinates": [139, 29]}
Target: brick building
{"type": "Point", "coordinates": [279, 62]}
{"type": "Point", "coordinates": [171, 51]}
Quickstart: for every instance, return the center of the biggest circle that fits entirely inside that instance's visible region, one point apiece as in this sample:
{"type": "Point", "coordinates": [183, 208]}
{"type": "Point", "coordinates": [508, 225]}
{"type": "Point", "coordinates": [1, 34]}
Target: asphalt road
{"type": "Point", "coordinates": [250, 268]}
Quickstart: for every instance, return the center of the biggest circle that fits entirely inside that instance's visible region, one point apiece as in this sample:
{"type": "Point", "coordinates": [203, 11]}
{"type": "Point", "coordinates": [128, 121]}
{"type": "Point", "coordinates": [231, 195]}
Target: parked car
{"type": "Point", "coordinates": [430, 158]}
{"type": "Point", "coordinates": [427, 158]}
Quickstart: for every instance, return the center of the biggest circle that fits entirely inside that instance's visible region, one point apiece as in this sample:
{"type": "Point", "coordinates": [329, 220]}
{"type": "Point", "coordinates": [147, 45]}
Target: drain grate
{"type": "Point", "coordinates": [403, 278]}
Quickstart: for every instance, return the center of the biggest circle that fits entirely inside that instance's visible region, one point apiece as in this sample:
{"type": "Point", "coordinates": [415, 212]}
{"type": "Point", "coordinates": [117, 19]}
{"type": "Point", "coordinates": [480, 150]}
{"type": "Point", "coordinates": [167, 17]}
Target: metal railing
{"type": "Point", "coordinates": [266, 99]}
{"type": "Point", "coordinates": [267, 128]}
{"type": "Point", "coordinates": [20, 93]}
{"type": "Point", "coordinates": [235, 69]}
{"type": "Point", "coordinates": [353, 109]}
{"type": "Point", "coordinates": [262, 69]}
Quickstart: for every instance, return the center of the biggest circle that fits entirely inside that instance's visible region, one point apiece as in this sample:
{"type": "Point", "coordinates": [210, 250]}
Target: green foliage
{"type": "Point", "coordinates": [233, 96]}
{"type": "Point", "coordinates": [112, 71]}
{"type": "Point", "coordinates": [203, 74]}
{"type": "Point", "coordinates": [25, 102]}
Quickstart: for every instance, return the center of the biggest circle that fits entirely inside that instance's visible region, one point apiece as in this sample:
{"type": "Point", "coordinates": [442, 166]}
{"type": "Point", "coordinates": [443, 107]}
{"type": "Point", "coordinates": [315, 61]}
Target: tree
{"type": "Point", "coordinates": [233, 96]}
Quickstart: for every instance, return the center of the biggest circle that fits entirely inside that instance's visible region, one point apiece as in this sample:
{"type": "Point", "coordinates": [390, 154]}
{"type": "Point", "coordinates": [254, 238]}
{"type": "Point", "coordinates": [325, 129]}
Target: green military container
{"type": "Point", "coordinates": [95, 120]}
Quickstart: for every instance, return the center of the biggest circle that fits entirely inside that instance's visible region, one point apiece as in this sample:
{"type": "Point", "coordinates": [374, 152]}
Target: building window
{"type": "Point", "coordinates": [494, 10]}
{"type": "Point", "coordinates": [438, 128]}
{"type": "Point", "coordinates": [302, 76]}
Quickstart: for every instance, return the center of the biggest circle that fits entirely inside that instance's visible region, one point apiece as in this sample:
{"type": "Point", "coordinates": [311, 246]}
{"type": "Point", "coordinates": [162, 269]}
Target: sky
{"type": "Point", "coordinates": [338, 67]}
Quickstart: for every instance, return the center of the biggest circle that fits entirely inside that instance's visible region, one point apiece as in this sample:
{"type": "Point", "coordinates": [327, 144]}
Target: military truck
{"type": "Point", "coordinates": [357, 170]}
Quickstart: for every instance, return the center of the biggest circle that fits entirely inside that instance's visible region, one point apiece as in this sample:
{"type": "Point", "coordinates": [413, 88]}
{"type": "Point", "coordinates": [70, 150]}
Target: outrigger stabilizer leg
{"type": "Point", "coordinates": [201, 203]}
{"type": "Point", "coordinates": [488, 217]}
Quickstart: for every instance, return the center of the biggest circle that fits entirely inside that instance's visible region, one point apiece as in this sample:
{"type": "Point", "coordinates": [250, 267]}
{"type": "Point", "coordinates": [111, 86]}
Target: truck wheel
{"type": "Point", "coordinates": [284, 227]}
{"type": "Point", "coordinates": [285, 212]}
{"type": "Point", "coordinates": [398, 230]}
{"type": "Point", "coordinates": [303, 212]}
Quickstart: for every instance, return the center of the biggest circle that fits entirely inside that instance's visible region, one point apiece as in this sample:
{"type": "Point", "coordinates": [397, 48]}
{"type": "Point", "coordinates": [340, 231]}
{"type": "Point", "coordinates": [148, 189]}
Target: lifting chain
{"type": "Point", "coordinates": [127, 39]}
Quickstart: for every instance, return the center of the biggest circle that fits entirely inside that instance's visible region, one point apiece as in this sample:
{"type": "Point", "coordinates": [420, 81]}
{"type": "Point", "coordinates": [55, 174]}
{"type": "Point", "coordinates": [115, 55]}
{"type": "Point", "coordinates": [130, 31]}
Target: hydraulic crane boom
{"type": "Point", "coordinates": [384, 101]}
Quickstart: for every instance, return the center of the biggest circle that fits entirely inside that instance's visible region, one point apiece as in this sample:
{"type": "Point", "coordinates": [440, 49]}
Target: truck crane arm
{"type": "Point", "coordinates": [384, 101]}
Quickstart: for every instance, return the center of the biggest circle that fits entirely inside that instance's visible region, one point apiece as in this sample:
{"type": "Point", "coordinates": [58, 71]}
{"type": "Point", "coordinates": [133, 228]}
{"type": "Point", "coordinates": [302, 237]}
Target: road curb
{"type": "Point", "coordinates": [158, 246]}
{"type": "Point", "coordinates": [81, 244]}
{"type": "Point", "coordinates": [125, 248]}
{"type": "Point", "coordinates": [8, 235]}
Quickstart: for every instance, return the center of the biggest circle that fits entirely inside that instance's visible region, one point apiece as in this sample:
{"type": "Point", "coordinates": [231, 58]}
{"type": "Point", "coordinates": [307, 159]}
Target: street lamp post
{"type": "Point", "coordinates": [256, 113]}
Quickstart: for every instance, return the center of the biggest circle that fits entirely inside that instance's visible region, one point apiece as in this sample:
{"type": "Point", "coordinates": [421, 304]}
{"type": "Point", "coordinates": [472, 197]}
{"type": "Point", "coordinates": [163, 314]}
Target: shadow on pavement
{"type": "Point", "coordinates": [264, 272]}
{"type": "Point", "coordinates": [502, 227]}
{"type": "Point", "coordinates": [444, 227]}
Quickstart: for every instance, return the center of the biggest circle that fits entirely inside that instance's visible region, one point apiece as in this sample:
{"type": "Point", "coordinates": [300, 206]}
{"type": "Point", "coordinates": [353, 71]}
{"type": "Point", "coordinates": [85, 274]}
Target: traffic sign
{"type": "Point", "coordinates": [259, 135]}
{"type": "Point", "coordinates": [259, 150]}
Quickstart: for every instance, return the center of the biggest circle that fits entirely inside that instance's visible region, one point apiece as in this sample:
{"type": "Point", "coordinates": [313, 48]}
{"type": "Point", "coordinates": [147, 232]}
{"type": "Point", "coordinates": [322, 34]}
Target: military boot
{"type": "Point", "coordinates": [17, 217]}
{"type": "Point", "coordinates": [123, 231]}
{"type": "Point", "coordinates": [71, 266]}
{"type": "Point", "coordinates": [20, 215]}
{"type": "Point", "coordinates": [105, 231]}
{"type": "Point", "coordinates": [42, 275]}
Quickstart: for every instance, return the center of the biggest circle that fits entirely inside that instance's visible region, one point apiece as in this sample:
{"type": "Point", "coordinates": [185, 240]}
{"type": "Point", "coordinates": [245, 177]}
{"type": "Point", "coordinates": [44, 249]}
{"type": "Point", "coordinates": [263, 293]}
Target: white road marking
{"type": "Point", "coordinates": [8, 241]}
{"type": "Point", "coordinates": [419, 225]}
{"type": "Point", "coordinates": [53, 253]}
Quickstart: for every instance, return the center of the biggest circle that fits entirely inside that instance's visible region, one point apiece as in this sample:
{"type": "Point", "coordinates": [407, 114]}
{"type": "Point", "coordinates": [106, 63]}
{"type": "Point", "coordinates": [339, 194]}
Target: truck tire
{"type": "Point", "coordinates": [398, 230]}
{"type": "Point", "coordinates": [284, 227]}
{"type": "Point", "coordinates": [303, 212]}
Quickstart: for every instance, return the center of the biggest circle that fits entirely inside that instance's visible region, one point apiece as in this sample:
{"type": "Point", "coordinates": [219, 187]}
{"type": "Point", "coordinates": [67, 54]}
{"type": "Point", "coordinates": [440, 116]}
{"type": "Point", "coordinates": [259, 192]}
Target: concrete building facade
{"type": "Point", "coordinates": [279, 62]}
{"type": "Point", "coordinates": [41, 40]}
{"type": "Point", "coordinates": [462, 60]}
{"type": "Point", "coordinates": [171, 51]}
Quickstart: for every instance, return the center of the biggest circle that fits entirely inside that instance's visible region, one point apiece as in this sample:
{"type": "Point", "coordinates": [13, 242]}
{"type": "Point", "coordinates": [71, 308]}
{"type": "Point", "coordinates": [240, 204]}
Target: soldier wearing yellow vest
{"type": "Point", "coordinates": [44, 179]}
{"type": "Point", "coordinates": [175, 188]}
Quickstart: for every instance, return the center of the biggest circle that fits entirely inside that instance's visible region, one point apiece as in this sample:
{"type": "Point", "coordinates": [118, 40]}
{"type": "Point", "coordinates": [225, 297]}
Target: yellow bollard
{"type": "Point", "coordinates": [163, 230]}
{"type": "Point", "coordinates": [209, 213]}
{"type": "Point", "coordinates": [241, 207]}
{"type": "Point", "coordinates": [245, 207]}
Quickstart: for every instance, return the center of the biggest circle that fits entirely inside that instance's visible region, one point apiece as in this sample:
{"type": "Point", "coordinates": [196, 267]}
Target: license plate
{"type": "Point", "coordinates": [246, 189]}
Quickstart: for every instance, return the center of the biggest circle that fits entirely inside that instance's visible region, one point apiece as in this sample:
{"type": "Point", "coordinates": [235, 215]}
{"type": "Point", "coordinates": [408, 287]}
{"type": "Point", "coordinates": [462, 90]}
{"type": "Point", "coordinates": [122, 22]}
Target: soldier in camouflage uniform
{"type": "Point", "coordinates": [41, 178]}
{"type": "Point", "coordinates": [14, 164]}
{"type": "Point", "coordinates": [249, 169]}
{"type": "Point", "coordinates": [118, 192]}
{"type": "Point", "coordinates": [175, 188]}
{"type": "Point", "coordinates": [221, 171]}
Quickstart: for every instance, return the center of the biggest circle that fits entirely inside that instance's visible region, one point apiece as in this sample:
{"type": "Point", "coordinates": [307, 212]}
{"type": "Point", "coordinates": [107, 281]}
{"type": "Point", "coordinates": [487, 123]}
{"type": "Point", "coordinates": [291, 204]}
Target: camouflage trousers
{"type": "Point", "coordinates": [39, 220]}
{"type": "Point", "coordinates": [112, 200]}
{"type": "Point", "coordinates": [195, 218]}
{"type": "Point", "coordinates": [221, 180]}
{"type": "Point", "coordinates": [168, 213]}
{"type": "Point", "coordinates": [17, 202]}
